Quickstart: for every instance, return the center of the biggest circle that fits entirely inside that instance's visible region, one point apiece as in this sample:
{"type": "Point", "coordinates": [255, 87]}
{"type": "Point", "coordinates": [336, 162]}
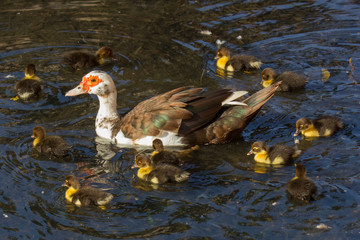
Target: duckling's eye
{"type": "Point", "coordinates": [255, 148]}
{"type": "Point", "coordinates": [301, 126]}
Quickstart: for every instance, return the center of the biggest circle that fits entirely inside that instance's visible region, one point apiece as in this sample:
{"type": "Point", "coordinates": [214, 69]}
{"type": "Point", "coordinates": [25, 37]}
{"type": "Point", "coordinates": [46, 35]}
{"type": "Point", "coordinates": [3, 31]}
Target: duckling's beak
{"type": "Point", "coordinates": [76, 91]}
{"type": "Point", "coordinates": [297, 133]}
{"type": "Point", "coordinates": [32, 136]}
{"type": "Point", "coordinates": [134, 166]}
{"type": "Point", "coordinates": [64, 185]}
{"type": "Point", "coordinates": [250, 152]}
{"type": "Point", "coordinates": [217, 57]}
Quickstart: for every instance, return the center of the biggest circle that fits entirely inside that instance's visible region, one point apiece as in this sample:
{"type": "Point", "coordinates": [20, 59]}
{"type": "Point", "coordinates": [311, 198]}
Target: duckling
{"type": "Point", "coordinates": [160, 155]}
{"type": "Point", "coordinates": [85, 197]}
{"type": "Point", "coordinates": [290, 81]}
{"type": "Point", "coordinates": [160, 173]}
{"type": "Point", "coordinates": [301, 187]}
{"type": "Point", "coordinates": [323, 126]}
{"type": "Point", "coordinates": [54, 145]}
{"type": "Point", "coordinates": [277, 154]}
{"type": "Point", "coordinates": [236, 62]}
{"type": "Point", "coordinates": [29, 87]}
{"type": "Point", "coordinates": [79, 59]}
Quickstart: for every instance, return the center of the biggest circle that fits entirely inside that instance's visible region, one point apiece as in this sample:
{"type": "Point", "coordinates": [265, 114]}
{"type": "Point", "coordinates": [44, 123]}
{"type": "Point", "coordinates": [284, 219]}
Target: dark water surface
{"type": "Point", "coordinates": [161, 45]}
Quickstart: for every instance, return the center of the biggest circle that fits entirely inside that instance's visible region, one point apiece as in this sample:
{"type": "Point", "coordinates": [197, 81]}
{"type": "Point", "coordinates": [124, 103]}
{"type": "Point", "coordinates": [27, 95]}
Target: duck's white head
{"type": "Point", "coordinates": [95, 82]}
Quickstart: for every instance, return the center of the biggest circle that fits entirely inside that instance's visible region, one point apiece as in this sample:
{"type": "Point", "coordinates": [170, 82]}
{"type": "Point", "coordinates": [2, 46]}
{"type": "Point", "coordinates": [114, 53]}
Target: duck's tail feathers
{"type": "Point", "coordinates": [256, 64]}
{"type": "Point", "coordinates": [182, 177]}
{"type": "Point", "coordinates": [234, 96]}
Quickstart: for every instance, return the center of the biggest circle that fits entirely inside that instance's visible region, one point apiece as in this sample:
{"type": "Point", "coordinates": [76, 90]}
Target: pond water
{"type": "Point", "coordinates": [161, 45]}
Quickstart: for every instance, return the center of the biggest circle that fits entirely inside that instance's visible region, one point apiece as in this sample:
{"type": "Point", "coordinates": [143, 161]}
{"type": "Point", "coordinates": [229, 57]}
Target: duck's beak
{"type": "Point", "coordinates": [76, 91]}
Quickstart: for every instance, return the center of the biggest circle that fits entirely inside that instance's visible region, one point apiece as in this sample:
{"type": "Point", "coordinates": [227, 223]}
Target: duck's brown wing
{"type": "Point", "coordinates": [181, 110]}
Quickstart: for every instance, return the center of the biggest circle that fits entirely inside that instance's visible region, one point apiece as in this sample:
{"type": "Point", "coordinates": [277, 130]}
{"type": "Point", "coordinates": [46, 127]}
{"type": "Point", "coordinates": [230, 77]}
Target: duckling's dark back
{"type": "Point", "coordinates": [91, 197]}
{"type": "Point", "coordinates": [167, 173]}
{"type": "Point", "coordinates": [242, 62]}
{"type": "Point", "coordinates": [290, 81]}
{"type": "Point", "coordinates": [286, 152]}
{"type": "Point", "coordinates": [55, 145]}
{"type": "Point", "coordinates": [166, 157]}
{"type": "Point", "coordinates": [28, 88]}
{"type": "Point", "coordinates": [80, 59]}
{"type": "Point", "coordinates": [327, 123]}
{"type": "Point", "coordinates": [301, 189]}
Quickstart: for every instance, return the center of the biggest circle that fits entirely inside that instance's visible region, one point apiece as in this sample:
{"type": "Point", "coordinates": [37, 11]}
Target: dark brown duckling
{"type": "Point", "coordinates": [301, 187]}
{"type": "Point", "coordinates": [54, 145]}
{"type": "Point", "coordinates": [277, 154]}
{"type": "Point", "coordinates": [236, 62]}
{"type": "Point", "coordinates": [29, 87]}
{"type": "Point", "coordinates": [79, 59]}
{"type": "Point", "coordinates": [290, 81]}
{"type": "Point", "coordinates": [323, 126]}
{"type": "Point", "coordinates": [85, 197]}
{"type": "Point", "coordinates": [160, 155]}
{"type": "Point", "coordinates": [160, 173]}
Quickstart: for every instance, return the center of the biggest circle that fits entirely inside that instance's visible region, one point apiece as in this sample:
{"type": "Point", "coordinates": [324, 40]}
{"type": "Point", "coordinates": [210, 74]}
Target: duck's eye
{"type": "Point", "coordinates": [93, 80]}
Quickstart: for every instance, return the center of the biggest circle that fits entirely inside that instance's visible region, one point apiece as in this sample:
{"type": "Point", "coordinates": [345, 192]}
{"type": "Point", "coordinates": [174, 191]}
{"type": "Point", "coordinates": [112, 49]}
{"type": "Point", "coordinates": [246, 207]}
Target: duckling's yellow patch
{"type": "Point", "coordinates": [69, 194]}
{"type": "Point", "coordinates": [230, 68]}
{"type": "Point", "coordinates": [155, 180]}
{"type": "Point", "coordinates": [278, 160]}
{"type": "Point", "coordinates": [262, 157]}
{"type": "Point", "coordinates": [144, 171]}
{"type": "Point", "coordinates": [101, 61]}
{"type": "Point", "coordinates": [221, 62]}
{"type": "Point", "coordinates": [310, 132]}
{"type": "Point", "coordinates": [34, 77]}
{"type": "Point", "coordinates": [15, 98]}
{"type": "Point", "coordinates": [154, 153]}
{"type": "Point", "coordinates": [327, 132]}
{"type": "Point", "coordinates": [36, 142]}
{"type": "Point", "coordinates": [267, 83]}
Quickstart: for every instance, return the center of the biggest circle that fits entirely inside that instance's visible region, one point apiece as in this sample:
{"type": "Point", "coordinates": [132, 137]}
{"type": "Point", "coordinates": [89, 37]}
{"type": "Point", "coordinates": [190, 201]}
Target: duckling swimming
{"type": "Point", "coordinates": [277, 154]}
{"type": "Point", "coordinates": [54, 145]}
{"type": "Point", "coordinates": [160, 155]}
{"type": "Point", "coordinates": [236, 62]}
{"type": "Point", "coordinates": [301, 187]}
{"type": "Point", "coordinates": [85, 197]}
{"type": "Point", "coordinates": [29, 87]}
{"type": "Point", "coordinates": [290, 80]}
{"type": "Point", "coordinates": [160, 173]}
{"type": "Point", "coordinates": [79, 59]}
{"type": "Point", "coordinates": [323, 126]}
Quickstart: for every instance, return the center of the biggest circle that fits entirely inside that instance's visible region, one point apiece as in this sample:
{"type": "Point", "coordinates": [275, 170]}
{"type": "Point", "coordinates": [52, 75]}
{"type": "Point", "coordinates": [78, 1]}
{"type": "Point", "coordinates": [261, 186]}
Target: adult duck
{"type": "Point", "coordinates": [183, 116]}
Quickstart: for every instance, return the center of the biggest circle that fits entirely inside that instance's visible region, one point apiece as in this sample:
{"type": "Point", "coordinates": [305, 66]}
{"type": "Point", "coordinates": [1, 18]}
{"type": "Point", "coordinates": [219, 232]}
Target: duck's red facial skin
{"type": "Point", "coordinates": [90, 81]}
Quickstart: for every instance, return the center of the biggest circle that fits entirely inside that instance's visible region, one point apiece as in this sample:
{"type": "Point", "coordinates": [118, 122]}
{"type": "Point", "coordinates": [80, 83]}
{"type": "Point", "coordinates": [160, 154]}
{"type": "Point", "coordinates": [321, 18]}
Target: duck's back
{"type": "Point", "coordinates": [290, 81]}
{"type": "Point", "coordinates": [243, 62]}
{"type": "Point", "coordinates": [327, 125]}
{"type": "Point", "coordinates": [28, 88]}
{"type": "Point", "coordinates": [54, 145]}
{"type": "Point", "coordinates": [302, 189]}
{"type": "Point", "coordinates": [281, 151]}
{"type": "Point", "coordinates": [166, 157]}
{"type": "Point", "coordinates": [91, 197]}
{"type": "Point", "coordinates": [164, 173]}
{"type": "Point", "coordinates": [80, 59]}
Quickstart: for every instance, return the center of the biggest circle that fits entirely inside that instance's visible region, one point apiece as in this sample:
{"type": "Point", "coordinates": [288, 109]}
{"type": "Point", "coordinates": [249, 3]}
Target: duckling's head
{"type": "Point", "coordinates": [39, 134]}
{"type": "Point", "coordinates": [142, 161]}
{"type": "Point", "coordinates": [72, 182]}
{"type": "Point", "coordinates": [158, 145]}
{"type": "Point", "coordinates": [302, 125]}
{"type": "Point", "coordinates": [267, 77]}
{"type": "Point", "coordinates": [104, 53]}
{"type": "Point", "coordinates": [300, 171]}
{"type": "Point", "coordinates": [222, 52]}
{"type": "Point", "coordinates": [30, 71]}
{"type": "Point", "coordinates": [258, 147]}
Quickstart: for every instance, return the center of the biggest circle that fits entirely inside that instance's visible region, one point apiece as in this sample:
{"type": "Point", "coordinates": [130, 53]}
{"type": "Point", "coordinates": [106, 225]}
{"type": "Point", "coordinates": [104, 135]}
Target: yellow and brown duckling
{"type": "Point", "coordinates": [79, 59]}
{"type": "Point", "coordinates": [277, 154]}
{"type": "Point", "coordinates": [290, 81]}
{"type": "Point", "coordinates": [85, 197]}
{"type": "Point", "coordinates": [301, 187]}
{"type": "Point", "coordinates": [29, 87]}
{"type": "Point", "coordinates": [160, 173]}
{"type": "Point", "coordinates": [323, 126]}
{"type": "Point", "coordinates": [236, 62]}
{"type": "Point", "coordinates": [53, 145]}
{"type": "Point", "coordinates": [160, 155]}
